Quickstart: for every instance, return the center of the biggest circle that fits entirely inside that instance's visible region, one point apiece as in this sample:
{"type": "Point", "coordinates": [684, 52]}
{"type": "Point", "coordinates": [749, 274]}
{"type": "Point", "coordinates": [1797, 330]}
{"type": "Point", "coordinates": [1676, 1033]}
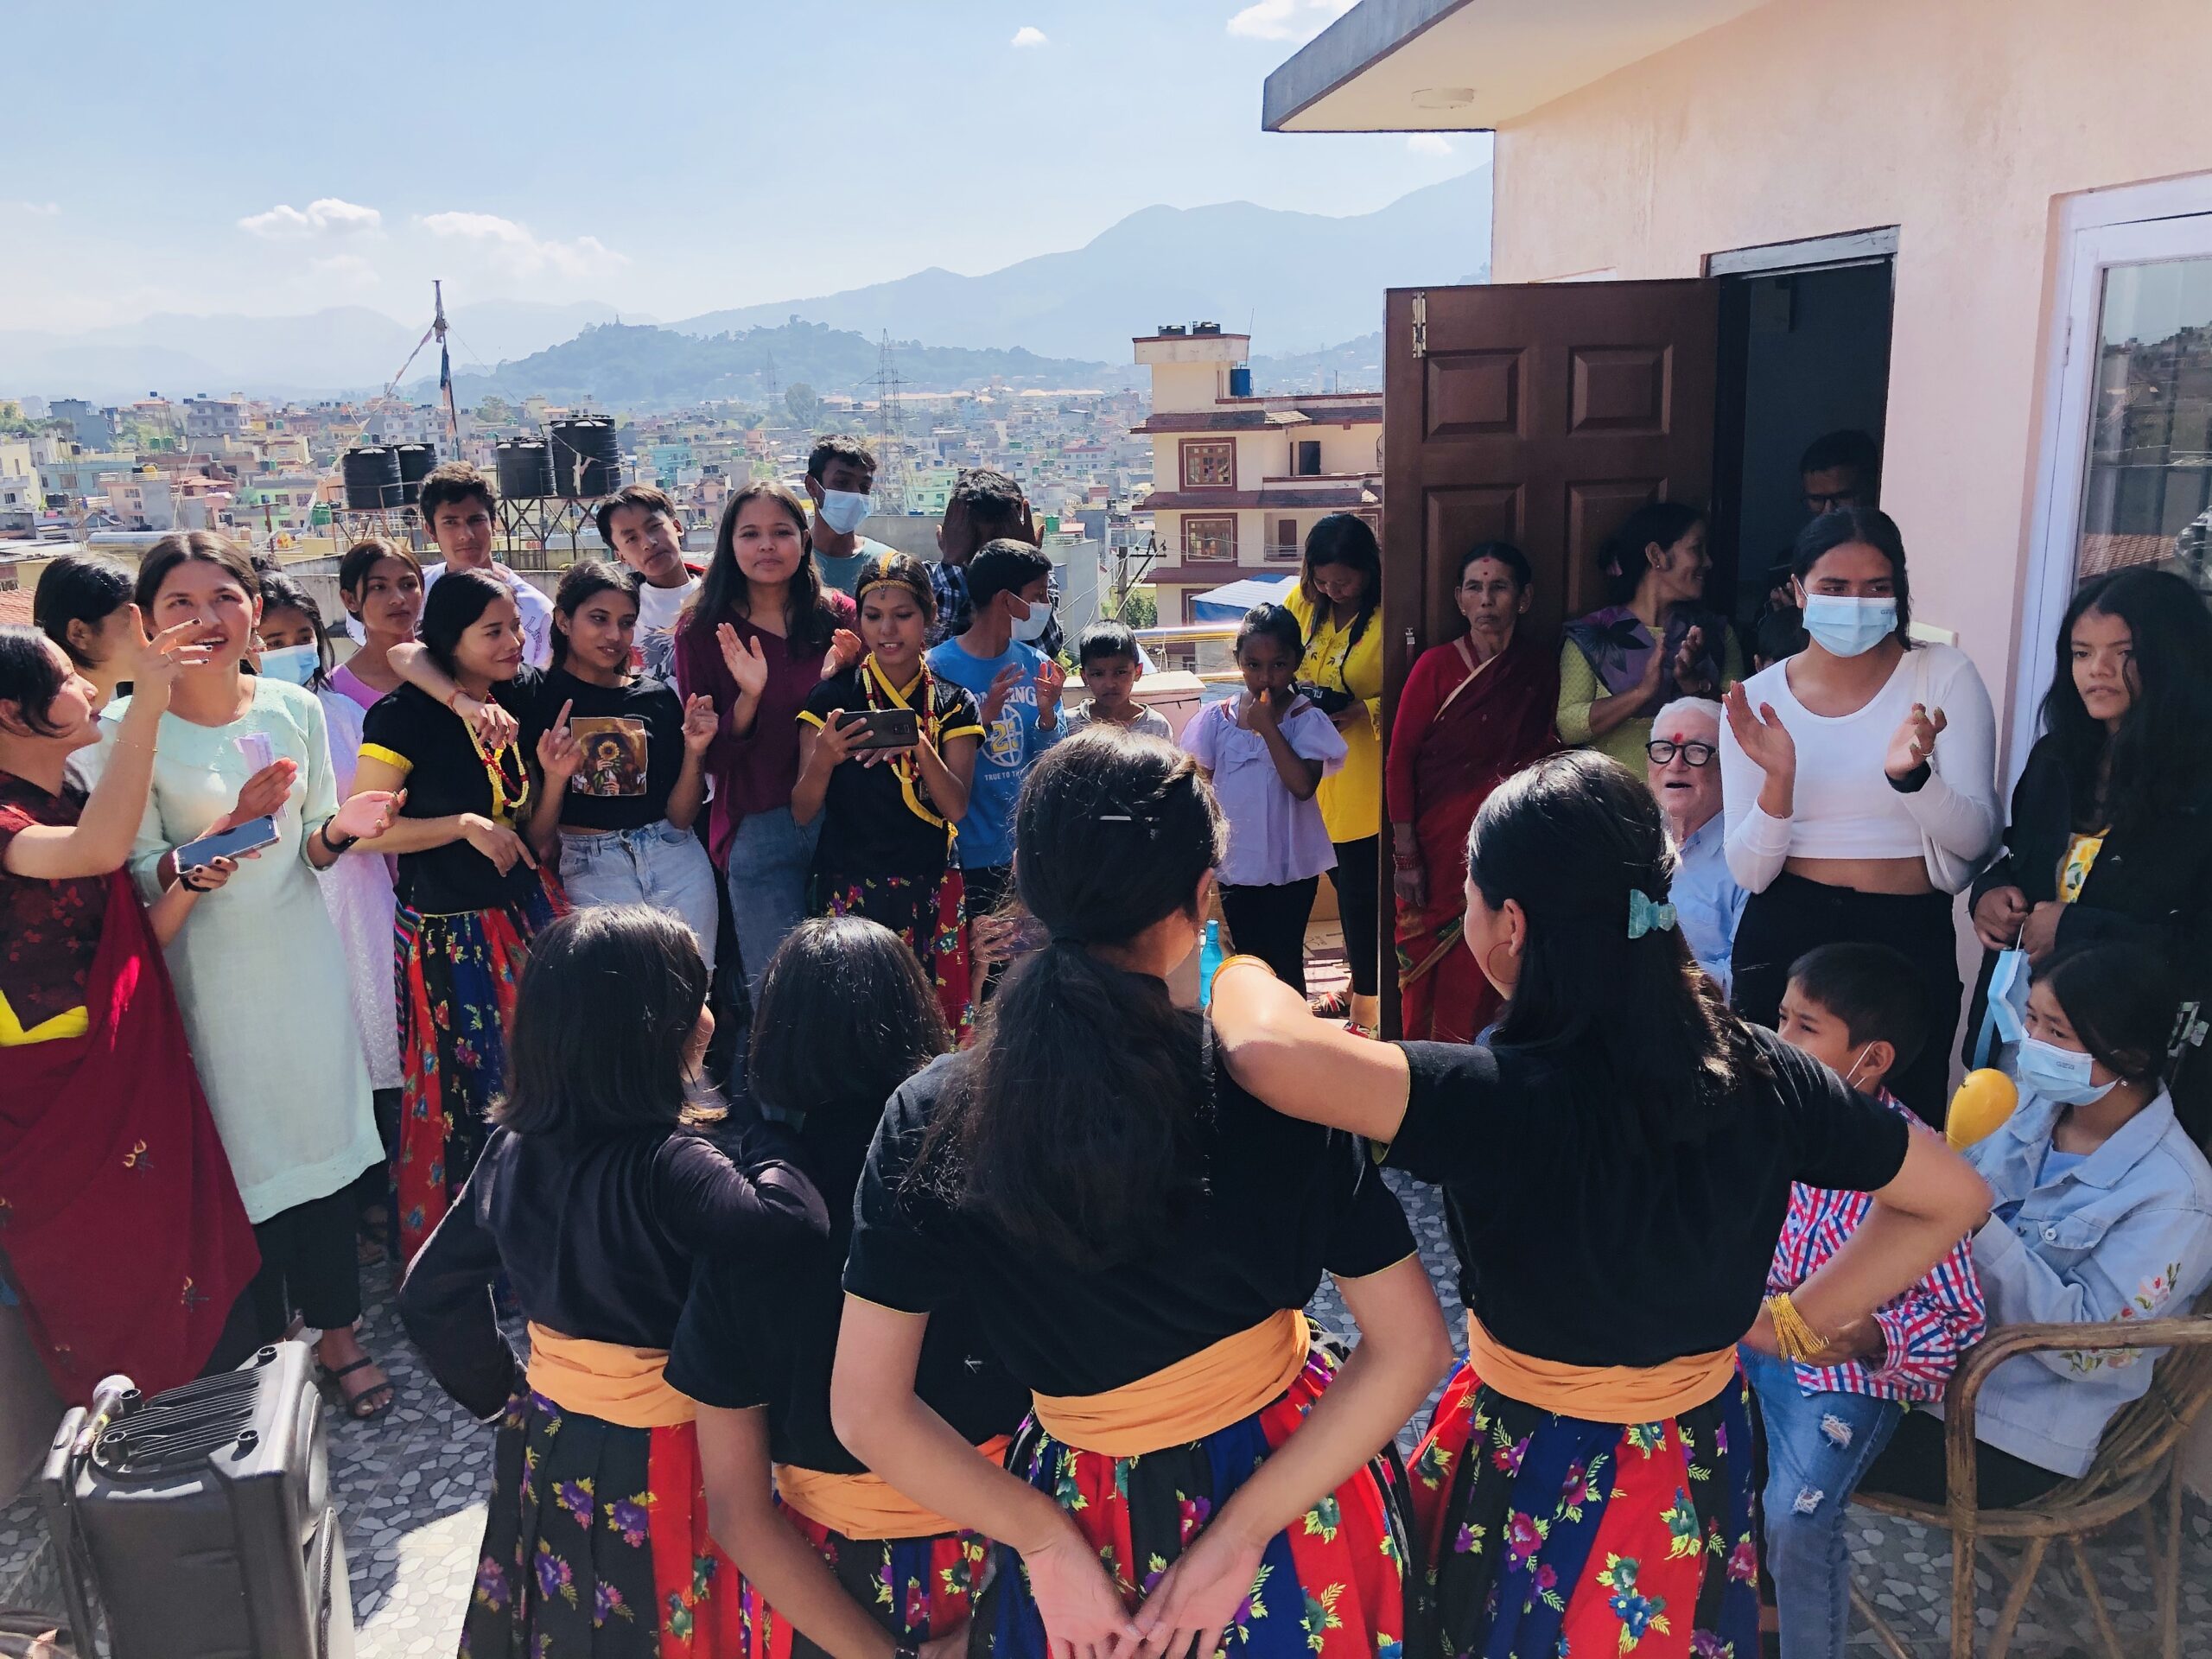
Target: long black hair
{"type": "Point", "coordinates": [451, 608]}
{"type": "Point", "coordinates": [1569, 839]}
{"type": "Point", "coordinates": [280, 592]}
{"type": "Point", "coordinates": [2162, 754]}
{"type": "Point", "coordinates": [30, 679]}
{"type": "Point", "coordinates": [84, 587]}
{"type": "Point", "coordinates": [1343, 538]}
{"type": "Point", "coordinates": [844, 1013]}
{"type": "Point", "coordinates": [607, 1004]}
{"type": "Point", "coordinates": [1621, 558]}
{"type": "Point", "coordinates": [808, 620]}
{"type": "Point", "coordinates": [583, 579]}
{"type": "Point", "coordinates": [1871, 527]}
{"type": "Point", "coordinates": [1077, 1117]}
{"type": "Point", "coordinates": [2120, 1001]}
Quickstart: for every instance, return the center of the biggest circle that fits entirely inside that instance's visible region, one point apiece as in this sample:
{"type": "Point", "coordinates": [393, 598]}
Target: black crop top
{"type": "Point", "coordinates": [1580, 1244]}
{"type": "Point", "coordinates": [1286, 1201]}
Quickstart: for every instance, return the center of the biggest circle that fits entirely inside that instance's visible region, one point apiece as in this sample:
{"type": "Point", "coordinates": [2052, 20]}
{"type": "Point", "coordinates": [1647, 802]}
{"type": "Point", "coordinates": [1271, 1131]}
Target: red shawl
{"type": "Point", "coordinates": [119, 1219]}
{"type": "Point", "coordinates": [1443, 766]}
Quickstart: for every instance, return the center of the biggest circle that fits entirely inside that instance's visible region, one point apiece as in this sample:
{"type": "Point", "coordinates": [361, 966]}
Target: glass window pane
{"type": "Point", "coordinates": [2147, 496]}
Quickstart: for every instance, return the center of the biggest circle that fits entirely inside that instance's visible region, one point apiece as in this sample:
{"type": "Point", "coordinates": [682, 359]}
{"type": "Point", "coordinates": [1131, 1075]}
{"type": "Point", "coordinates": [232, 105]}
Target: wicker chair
{"type": "Point", "coordinates": [2137, 1471]}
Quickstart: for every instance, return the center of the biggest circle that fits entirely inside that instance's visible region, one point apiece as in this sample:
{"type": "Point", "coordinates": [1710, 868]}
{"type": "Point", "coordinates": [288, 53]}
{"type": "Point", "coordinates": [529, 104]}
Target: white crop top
{"type": "Point", "coordinates": [1844, 806]}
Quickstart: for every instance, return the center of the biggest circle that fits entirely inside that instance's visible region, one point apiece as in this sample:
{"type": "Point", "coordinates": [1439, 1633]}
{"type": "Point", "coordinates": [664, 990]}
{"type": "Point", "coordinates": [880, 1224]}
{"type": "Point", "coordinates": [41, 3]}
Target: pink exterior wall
{"type": "Point", "coordinates": [1962, 122]}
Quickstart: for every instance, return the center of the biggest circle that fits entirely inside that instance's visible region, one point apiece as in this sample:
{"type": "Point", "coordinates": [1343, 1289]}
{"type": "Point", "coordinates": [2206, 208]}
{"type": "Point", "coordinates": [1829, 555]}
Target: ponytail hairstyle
{"type": "Point", "coordinates": [1621, 557]}
{"type": "Point", "coordinates": [280, 592]}
{"type": "Point", "coordinates": [1570, 839]}
{"type": "Point", "coordinates": [2121, 1002]}
{"type": "Point", "coordinates": [1343, 538]}
{"type": "Point", "coordinates": [583, 579]}
{"type": "Point", "coordinates": [1077, 1117]}
{"type": "Point", "coordinates": [1859, 526]}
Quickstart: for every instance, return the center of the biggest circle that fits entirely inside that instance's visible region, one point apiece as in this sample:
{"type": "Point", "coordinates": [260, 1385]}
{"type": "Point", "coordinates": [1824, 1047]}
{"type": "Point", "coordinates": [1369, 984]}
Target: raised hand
{"type": "Point", "coordinates": [261, 795]}
{"type": "Point", "coordinates": [746, 662]}
{"type": "Point", "coordinates": [700, 724]}
{"type": "Point", "coordinates": [496, 842]}
{"type": "Point", "coordinates": [845, 650]}
{"type": "Point", "coordinates": [1689, 678]}
{"type": "Point", "coordinates": [1004, 684]}
{"type": "Point", "coordinates": [1913, 741]}
{"type": "Point", "coordinates": [559, 753]}
{"type": "Point", "coordinates": [1051, 678]}
{"type": "Point", "coordinates": [1765, 742]}
{"type": "Point", "coordinates": [155, 662]}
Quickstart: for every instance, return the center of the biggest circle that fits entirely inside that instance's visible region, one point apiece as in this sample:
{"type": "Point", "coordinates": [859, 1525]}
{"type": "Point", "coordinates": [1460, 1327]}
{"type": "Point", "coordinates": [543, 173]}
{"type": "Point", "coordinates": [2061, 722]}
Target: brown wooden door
{"type": "Point", "coordinates": [1538, 414]}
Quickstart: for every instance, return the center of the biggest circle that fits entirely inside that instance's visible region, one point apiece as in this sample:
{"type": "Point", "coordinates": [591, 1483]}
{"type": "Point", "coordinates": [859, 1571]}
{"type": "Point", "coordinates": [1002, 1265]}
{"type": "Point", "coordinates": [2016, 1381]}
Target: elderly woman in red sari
{"type": "Point", "coordinates": [120, 1220]}
{"type": "Point", "coordinates": [1473, 711]}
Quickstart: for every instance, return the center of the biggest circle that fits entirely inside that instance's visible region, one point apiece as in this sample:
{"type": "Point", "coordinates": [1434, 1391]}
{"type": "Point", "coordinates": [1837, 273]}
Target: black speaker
{"type": "Point", "coordinates": [199, 1521]}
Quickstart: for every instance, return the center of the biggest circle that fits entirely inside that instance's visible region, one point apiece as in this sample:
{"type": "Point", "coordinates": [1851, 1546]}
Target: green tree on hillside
{"type": "Point", "coordinates": [804, 405]}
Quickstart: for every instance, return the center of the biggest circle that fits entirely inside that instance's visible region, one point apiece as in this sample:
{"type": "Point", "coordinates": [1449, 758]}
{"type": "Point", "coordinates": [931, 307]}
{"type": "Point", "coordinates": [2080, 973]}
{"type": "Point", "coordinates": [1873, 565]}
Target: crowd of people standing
{"type": "Point", "coordinates": [957, 1305]}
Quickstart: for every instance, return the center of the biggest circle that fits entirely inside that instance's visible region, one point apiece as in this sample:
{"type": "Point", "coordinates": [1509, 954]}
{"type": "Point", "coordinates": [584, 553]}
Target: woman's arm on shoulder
{"type": "Point", "coordinates": [715, 1202]}
{"type": "Point", "coordinates": [1284, 1057]}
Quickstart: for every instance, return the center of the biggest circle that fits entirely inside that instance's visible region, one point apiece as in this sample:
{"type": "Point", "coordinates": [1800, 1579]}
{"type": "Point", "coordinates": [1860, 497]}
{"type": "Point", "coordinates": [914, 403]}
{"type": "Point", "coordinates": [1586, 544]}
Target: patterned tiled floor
{"type": "Point", "coordinates": [409, 1490]}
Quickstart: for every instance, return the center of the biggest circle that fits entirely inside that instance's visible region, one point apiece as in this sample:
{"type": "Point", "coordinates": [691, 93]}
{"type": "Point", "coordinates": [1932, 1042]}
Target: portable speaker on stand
{"type": "Point", "coordinates": [199, 1521]}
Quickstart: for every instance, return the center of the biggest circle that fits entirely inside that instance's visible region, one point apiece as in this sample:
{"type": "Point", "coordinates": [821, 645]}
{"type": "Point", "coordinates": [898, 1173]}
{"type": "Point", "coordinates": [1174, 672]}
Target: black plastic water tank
{"type": "Point", "coordinates": [587, 457]}
{"type": "Point", "coordinates": [526, 468]}
{"type": "Point", "coordinates": [372, 477]}
{"type": "Point", "coordinates": [416, 460]}
{"type": "Point", "coordinates": [1240, 381]}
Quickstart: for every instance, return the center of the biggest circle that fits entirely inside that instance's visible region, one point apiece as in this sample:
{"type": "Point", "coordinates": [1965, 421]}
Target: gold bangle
{"type": "Point", "coordinates": [1792, 1334]}
{"type": "Point", "coordinates": [1228, 962]}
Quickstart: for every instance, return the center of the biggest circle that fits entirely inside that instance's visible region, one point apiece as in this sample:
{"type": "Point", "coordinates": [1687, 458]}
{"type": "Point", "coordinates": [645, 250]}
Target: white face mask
{"type": "Point", "coordinates": [1031, 627]}
{"type": "Point", "coordinates": [843, 510]}
{"type": "Point", "coordinates": [293, 664]}
{"type": "Point", "coordinates": [2059, 1075]}
{"type": "Point", "coordinates": [1849, 627]}
{"type": "Point", "coordinates": [1851, 1078]}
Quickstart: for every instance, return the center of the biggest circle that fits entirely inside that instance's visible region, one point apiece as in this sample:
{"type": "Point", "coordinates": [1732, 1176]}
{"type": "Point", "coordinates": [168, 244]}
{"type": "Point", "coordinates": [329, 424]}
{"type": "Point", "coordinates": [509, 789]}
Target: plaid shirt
{"type": "Point", "coordinates": [1924, 1331]}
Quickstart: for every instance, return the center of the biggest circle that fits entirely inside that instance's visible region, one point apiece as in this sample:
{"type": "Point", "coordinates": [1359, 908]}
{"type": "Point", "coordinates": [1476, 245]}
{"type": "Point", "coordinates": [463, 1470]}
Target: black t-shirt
{"type": "Point", "coordinates": [762, 1330]}
{"type": "Point", "coordinates": [446, 773]}
{"type": "Point", "coordinates": [874, 822]}
{"type": "Point", "coordinates": [1583, 1244]}
{"type": "Point", "coordinates": [1285, 1202]}
{"type": "Point", "coordinates": [633, 738]}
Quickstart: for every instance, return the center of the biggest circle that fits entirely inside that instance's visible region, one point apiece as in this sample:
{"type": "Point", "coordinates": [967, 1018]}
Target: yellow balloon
{"type": "Point", "coordinates": [1985, 1100]}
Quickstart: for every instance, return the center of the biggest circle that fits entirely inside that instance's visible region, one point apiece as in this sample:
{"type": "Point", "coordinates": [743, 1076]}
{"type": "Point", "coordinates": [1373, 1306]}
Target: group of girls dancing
{"type": "Point", "coordinates": [1003, 1349]}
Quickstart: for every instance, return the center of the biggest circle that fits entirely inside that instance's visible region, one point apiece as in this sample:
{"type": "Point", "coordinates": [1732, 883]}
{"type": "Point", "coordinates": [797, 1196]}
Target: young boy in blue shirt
{"type": "Point", "coordinates": [1018, 687]}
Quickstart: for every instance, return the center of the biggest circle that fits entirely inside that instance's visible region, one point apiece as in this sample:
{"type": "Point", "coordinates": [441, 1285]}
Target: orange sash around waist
{"type": "Point", "coordinates": [1600, 1394]}
{"type": "Point", "coordinates": [625, 1386]}
{"type": "Point", "coordinates": [1192, 1398]}
{"type": "Point", "coordinates": [864, 1506]}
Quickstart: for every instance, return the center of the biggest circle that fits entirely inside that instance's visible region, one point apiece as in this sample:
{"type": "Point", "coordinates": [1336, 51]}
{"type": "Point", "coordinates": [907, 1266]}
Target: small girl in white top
{"type": "Point", "coordinates": [1858, 785]}
{"type": "Point", "coordinates": [1266, 751]}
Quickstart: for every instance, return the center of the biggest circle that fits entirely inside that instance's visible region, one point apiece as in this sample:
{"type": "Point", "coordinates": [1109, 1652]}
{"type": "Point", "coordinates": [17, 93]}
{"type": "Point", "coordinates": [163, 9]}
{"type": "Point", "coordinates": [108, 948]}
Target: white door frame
{"type": "Point", "coordinates": [2136, 225]}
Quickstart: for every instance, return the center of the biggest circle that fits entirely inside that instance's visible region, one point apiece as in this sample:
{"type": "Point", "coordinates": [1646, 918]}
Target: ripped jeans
{"type": "Point", "coordinates": [1818, 1447]}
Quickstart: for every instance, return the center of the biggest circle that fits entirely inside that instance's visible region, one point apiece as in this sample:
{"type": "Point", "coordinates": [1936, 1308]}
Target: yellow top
{"type": "Point", "coordinates": [1352, 796]}
{"type": "Point", "coordinates": [70, 1022]}
{"type": "Point", "coordinates": [2081, 858]}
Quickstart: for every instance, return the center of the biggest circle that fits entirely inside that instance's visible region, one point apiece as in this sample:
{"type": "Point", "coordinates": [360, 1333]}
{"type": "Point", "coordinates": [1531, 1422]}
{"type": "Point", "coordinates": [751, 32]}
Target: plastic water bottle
{"type": "Point", "coordinates": [1209, 959]}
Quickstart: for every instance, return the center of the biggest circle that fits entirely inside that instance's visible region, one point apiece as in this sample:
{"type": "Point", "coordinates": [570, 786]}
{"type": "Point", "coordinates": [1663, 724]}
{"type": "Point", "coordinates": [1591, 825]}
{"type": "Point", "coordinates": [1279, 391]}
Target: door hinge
{"type": "Point", "coordinates": [1421, 322]}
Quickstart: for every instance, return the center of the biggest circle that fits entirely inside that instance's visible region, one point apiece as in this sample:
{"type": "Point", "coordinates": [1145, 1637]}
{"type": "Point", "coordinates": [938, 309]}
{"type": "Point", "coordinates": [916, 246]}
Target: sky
{"type": "Point", "coordinates": [667, 159]}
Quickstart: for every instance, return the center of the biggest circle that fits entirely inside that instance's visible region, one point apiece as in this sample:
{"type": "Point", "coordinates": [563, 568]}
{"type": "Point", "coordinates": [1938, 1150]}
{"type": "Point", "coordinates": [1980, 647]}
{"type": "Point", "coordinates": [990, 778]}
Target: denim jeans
{"type": "Point", "coordinates": [1818, 1447]}
{"type": "Point", "coordinates": [770, 862]}
{"type": "Point", "coordinates": [659, 865]}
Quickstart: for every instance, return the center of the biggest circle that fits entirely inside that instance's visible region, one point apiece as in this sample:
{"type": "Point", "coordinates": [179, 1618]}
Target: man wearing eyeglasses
{"type": "Point", "coordinates": [1682, 764]}
{"type": "Point", "coordinates": [1838, 469]}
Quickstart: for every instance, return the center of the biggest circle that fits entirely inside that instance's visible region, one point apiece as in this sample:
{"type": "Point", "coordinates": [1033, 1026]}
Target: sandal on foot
{"type": "Point", "coordinates": [1335, 1005]}
{"type": "Point", "coordinates": [352, 1401]}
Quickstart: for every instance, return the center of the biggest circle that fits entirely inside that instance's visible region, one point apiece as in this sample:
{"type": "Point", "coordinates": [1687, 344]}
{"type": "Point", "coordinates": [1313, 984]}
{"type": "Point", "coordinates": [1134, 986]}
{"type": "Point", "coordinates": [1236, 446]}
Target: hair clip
{"type": "Point", "coordinates": [1644, 914]}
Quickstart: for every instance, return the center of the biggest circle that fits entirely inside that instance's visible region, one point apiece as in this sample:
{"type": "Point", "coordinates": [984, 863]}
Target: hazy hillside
{"type": "Point", "coordinates": [1297, 280]}
{"type": "Point", "coordinates": [617, 365]}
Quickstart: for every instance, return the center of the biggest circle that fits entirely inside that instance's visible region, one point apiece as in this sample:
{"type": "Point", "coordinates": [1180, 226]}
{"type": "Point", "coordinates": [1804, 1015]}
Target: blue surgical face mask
{"type": "Point", "coordinates": [2058, 1075]}
{"type": "Point", "coordinates": [843, 510]}
{"type": "Point", "coordinates": [293, 664]}
{"type": "Point", "coordinates": [1849, 627]}
{"type": "Point", "coordinates": [1031, 628]}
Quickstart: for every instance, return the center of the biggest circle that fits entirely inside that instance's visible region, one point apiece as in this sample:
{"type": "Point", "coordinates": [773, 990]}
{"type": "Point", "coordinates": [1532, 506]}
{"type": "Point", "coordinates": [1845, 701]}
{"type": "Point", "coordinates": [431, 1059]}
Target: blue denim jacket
{"type": "Point", "coordinates": [2127, 1234]}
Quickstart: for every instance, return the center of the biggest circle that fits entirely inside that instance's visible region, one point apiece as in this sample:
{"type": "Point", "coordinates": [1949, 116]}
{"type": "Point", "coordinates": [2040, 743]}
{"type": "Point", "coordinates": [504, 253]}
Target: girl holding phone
{"type": "Point", "coordinates": [470, 896]}
{"type": "Point", "coordinates": [262, 955]}
{"type": "Point", "coordinates": [888, 812]}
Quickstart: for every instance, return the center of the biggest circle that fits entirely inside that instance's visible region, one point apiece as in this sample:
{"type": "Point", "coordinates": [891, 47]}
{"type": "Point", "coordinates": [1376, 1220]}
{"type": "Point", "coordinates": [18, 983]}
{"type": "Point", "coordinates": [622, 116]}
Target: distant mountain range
{"type": "Point", "coordinates": [617, 365]}
{"type": "Point", "coordinates": [1296, 281]}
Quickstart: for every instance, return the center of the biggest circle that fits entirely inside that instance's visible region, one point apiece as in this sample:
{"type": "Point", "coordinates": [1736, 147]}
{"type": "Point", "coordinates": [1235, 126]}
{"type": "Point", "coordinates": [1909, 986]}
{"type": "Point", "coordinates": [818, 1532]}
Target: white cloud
{"type": "Point", "coordinates": [1029, 34]}
{"type": "Point", "coordinates": [325, 216]}
{"type": "Point", "coordinates": [1287, 20]}
{"type": "Point", "coordinates": [511, 246]}
{"type": "Point", "coordinates": [1427, 143]}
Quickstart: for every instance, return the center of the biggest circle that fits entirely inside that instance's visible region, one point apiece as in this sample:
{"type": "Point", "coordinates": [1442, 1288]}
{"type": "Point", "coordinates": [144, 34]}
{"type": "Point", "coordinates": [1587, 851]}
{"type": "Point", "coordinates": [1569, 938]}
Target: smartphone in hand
{"type": "Point", "coordinates": [880, 728]}
{"type": "Point", "coordinates": [235, 843]}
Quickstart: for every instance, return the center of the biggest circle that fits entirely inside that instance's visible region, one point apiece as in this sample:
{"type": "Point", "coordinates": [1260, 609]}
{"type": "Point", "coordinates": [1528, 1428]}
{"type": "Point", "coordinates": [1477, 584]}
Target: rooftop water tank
{"type": "Point", "coordinates": [586, 458]}
{"type": "Point", "coordinates": [371, 473]}
{"type": "Point", "coordinates": [525, 469]}
{"type": "Point", "coordinates": [416, 460]}
{"type": "Point", "coordinates": [1240, 381]}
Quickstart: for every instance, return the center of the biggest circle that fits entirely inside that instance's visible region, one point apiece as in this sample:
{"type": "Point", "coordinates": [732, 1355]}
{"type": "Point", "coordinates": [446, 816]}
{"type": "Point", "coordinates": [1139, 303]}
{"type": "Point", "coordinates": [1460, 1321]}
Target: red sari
{"type": "Point", "coordinates": [118, 1218]}
{"type": "Point", "coordinates": [1459, 731]}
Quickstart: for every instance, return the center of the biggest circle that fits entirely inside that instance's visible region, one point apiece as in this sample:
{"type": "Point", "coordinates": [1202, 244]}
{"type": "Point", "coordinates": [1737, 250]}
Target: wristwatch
{"type": "Point", "coordinates": [334, 846]}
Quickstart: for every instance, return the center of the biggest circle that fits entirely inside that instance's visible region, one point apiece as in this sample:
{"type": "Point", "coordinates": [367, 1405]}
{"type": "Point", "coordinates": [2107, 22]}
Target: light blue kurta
{"type": "Point", "coordinates": [260, 973]}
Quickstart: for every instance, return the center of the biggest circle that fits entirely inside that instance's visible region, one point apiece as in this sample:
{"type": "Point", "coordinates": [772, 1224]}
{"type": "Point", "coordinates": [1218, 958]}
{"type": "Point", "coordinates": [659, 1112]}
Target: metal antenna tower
{"type": "Point", "coordinates": [890, 430]}
{"type": "Point", "coordinates": [775, 393]}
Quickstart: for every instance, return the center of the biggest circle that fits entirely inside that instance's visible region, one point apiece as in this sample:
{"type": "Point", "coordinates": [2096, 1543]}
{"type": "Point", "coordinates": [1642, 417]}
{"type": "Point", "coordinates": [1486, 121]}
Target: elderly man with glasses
{"type": "Point", "coordinates": [1682, 771]}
